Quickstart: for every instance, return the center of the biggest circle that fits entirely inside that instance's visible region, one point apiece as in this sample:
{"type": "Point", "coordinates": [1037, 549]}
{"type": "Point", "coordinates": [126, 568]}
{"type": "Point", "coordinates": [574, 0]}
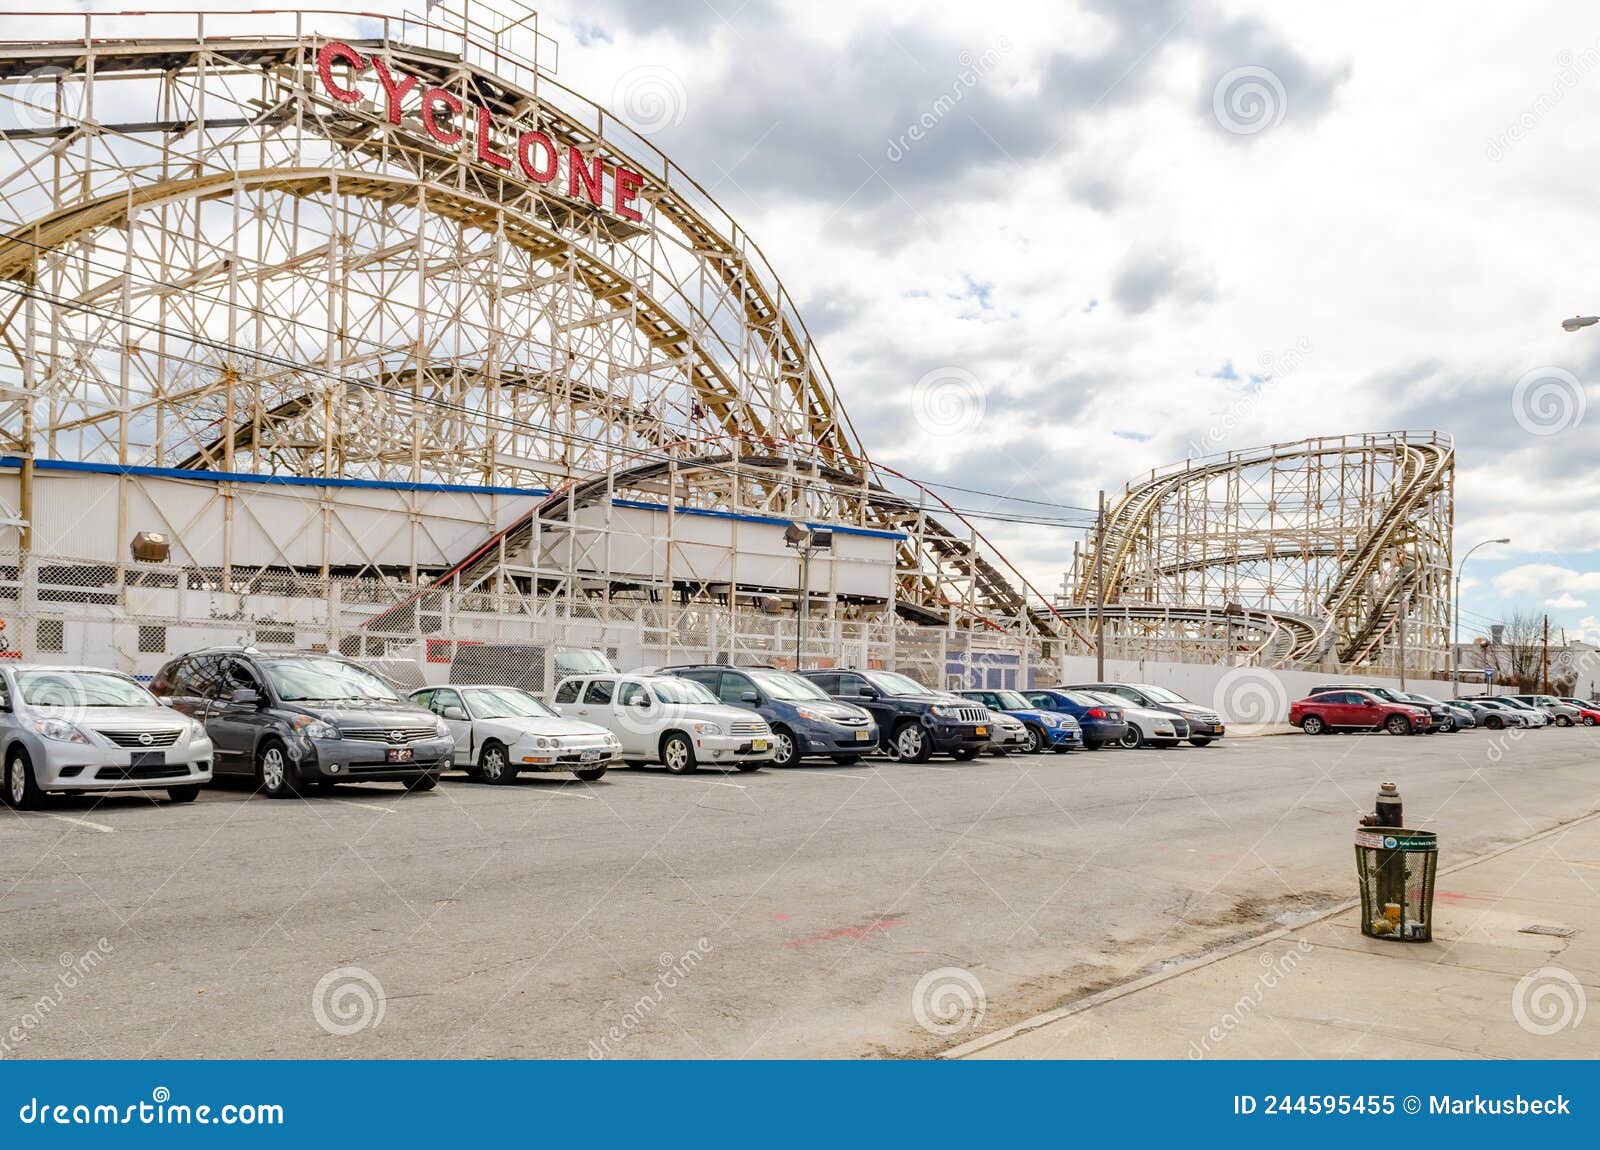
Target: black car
{"type": "Point", "coordinates": [291, 719]}
{"type": "Point", "coordinates": [1204, 722]}
{"type": "Point", "coordinates": [914, 722]}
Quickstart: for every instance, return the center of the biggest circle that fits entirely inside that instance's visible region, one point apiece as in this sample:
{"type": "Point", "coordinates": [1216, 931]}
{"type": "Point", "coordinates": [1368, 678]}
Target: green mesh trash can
{"type": "Point", "coordinates": [1397, 868]}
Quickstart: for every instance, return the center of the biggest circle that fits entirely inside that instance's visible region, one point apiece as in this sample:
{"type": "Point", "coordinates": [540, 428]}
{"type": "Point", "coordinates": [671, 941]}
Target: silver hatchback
{"type": "Point", "coordinates": [85, 729]}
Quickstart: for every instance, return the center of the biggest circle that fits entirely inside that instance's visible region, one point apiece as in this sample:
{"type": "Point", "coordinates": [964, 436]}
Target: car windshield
{"type": "Point", "coordinates": [581, 661]}
{"type": "Point", "coordinates": [81, 689]}
{"type": "Point", "coordinates": [1011, 701]}
{"type": "Point", "coordinates": [1162, 695]}
{"type": "Point", "coordinates": [895, 685]}
{"type": "Point", "coordinates": [1102, 699]}
{"type": "Point", "coordinates": [681, 691]}
{"type": "Point", "coordinates": [325, 680]}
{"type": "Point", "coordinates": [789, 688]}
{"type": "Point", "coordinates": [506, 703]}
{"type": "Point", "coordinates": [1416, 698]}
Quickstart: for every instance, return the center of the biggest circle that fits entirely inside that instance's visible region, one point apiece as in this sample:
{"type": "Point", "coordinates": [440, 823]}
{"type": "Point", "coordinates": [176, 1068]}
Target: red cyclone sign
{"type": "Point", "coordinates": [445, 118]}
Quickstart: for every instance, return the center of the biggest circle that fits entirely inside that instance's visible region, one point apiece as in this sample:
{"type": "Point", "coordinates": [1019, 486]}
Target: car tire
{"type": "Point", "coordinates": [1037, 740]}
{"type": "Point", "coordinates": [965, 754]}
{"type": "Point", "coordinates": [1495, 723]}
{"type": "Point", "coordinates": [494, 764]}
{"type": "Point", "coordinates": [186, 794]}
{"type": "Point", "coordinates": [911, 744]}
{"type": "Point", "coordinates": [847, 760]}
{"type": "Point", "coordinates": [22, 791]}
{"type": "Point", "coordinates": [1132, 738]}
{"type": "Point", "coordinates": [1200, 741]}
{"type": "Point", "coordinates": [677, 754]}
{"type": "Point", "coordinates": [785, 751]}
{"type": "Point", "coordinates": [591, 774]}
{"type": "Point", "coordinates": [274, 771]}
{"type": "Point", "coordinates": [1398, 725]}
{"type": "Point", "coordinates": [1589, 720]}
{"type": "Point", "coordinates": [1313, 725]}
{"type": "Point", "coordinates": [1563, 721]}
{"type": "Point", "coordinates": [422, 784]}
{"type": "Point", "coordinates": [1448, 726]}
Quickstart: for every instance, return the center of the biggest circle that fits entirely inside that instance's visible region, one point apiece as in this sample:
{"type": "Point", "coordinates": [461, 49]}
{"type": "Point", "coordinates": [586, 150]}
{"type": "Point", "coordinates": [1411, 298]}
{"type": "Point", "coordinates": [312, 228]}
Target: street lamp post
{"type": "Point", "coordinates": [1579, 321]}
{"type": "Point", "coordinates": [1455, 615]}
{"type": "Point", "coordinates": [807, 541]}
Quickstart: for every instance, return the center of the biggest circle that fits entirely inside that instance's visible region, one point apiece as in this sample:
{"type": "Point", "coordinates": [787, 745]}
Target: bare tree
{"type": "Point", "coordinates": [1516, 655]}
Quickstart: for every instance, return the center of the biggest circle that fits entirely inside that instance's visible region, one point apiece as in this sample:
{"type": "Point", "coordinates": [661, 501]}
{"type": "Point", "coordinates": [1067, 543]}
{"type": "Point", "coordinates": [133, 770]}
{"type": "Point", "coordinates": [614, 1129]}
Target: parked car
{"type": "Point", "coordinates": [1352, 710]}
{"type": "Point", "coordinates": [295, 719]}
{"type": "Point", "coordinates": [664, 719]}
{"type": "Point", "coordinates": [1561, 714]}
{"type": "Point", "coordinates": [83, 729]}
{"type": "Point", "coordinates": [500, 732]}
{"type": "Point", "coordinates": [1491, 717]}
{"type": "Point", "coordinates": [1444, 717]}
{"type": "Point", "coordinates": [914, 722]}
{"type": "Point", "coordinates": [1146, 726]}
{"type": "Point", "coordinates": [1204, 722]}
{"type": "Point", "coordinates": [1008, 734]}
{"type": "Point", "coordinates": [1536, 716]}
{"type": "Point", "coordinates": [804, 720]}
{"type": "Point", "coordinates": [1588, 712]}
{"type": "Point", "coordinates": [1386, 694]}
{"type": "Point", "coordinates": [1102, 723]}
{"type": "Point", "coordinates": [1056, 731]}
{"type": "Point", "coordinates": [1502, 715]}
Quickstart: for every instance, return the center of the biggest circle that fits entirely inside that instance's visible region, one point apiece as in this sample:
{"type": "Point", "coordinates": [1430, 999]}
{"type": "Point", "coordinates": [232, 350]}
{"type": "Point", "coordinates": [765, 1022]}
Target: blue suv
{"type": "Point", "coordinates": [1101, 722]}
{"type": "Point", "coordinates": [804, 720]}
{"type": "Point", "coordinates": [1047, 730]}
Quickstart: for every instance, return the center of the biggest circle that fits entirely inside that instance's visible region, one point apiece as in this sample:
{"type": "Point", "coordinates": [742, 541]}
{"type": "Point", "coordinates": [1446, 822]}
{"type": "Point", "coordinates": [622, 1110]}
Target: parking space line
{"type": "Point", "coordinates": [364, 806]}
{"type": "Point", "coordinates": [716, 783]}
{"type": "Point", "coordinates": [572, 794]}
{"type": "Point", "coordinates": [101, 827]}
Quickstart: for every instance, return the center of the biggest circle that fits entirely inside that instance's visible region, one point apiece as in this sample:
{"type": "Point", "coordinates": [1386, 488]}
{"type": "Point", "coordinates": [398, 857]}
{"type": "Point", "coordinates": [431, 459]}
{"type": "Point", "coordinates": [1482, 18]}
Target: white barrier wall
{"type": "Point", "coordinates": [1242, 695]}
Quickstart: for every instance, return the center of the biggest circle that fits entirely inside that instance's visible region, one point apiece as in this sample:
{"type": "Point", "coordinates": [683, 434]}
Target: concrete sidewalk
{"type": "Point", "coordinates": [1481, 989]}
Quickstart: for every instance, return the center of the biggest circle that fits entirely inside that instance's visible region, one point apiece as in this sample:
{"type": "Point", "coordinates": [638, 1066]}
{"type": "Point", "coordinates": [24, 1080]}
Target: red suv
{"type": "Point", "coordinates": [1356, 711]}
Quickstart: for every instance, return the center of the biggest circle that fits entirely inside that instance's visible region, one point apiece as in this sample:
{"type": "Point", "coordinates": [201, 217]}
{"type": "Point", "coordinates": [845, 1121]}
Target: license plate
{"type": "Point", "coordinates": [1217, 730]}
{"type": "Point", "coordinates": [981, 731]}
{"type": "Point", "coordinates": [400, 754]}
{"type": "Point", "coordinates": [861, 736]}
{"type": "Point", "coordinates": [147, 759]}
{"type": "Point", "coordinates": [758, 744]}
{"type": "Point", "coordinates": [589, 757]}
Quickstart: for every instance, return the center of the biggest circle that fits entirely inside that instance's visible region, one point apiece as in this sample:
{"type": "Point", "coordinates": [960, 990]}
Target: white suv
{"type": "Point", "coordinates": [668, 720]}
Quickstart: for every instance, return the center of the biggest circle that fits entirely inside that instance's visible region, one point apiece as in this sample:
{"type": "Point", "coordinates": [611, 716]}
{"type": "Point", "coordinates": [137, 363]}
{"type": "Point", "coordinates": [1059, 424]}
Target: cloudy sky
{"type": "Point", "coordinates": [1124, 230]}
{"type": "Point", "coordinates": [1047, 247]}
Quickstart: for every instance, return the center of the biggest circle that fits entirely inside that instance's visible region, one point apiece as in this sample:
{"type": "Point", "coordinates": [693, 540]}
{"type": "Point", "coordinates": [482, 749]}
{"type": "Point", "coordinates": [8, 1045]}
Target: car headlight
{"type": "Point", "coordinates": [315, 728]}
{"type": "Point", "coordinates": [812, 716]}
{"type": "Point", "coordinates": [59, 730]}
{"type": "Point", "coordinates": [197, 729]}
{"type": "Point", "coordinates": [1051, 720]}
{"type": "Point", "coordinates": [543, 743]}
{"type": "Point", "coordinates": [707, 728]}
{"type": "Point", "coordinates": [943, 710]}
{"type": "Point", "coordinates": [441, 728]}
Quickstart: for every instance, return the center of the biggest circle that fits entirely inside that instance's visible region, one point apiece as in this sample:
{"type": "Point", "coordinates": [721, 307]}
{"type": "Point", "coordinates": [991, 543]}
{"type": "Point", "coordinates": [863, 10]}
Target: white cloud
{"type": "Point", "coordinates": [1565, 602]}
{"type": "Point", "coordinates": [1534, 580]}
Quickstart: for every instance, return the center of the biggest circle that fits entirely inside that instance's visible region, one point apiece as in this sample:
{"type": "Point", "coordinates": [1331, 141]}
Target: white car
{"type": "Point", "coordinates": [83, 729]}
{"type": "Point", "coordinates": [667, 720]}
{"type": "Point", "coordinates": [503, 731]}
{"type": "Point", "coordinates": [1145, 726]}
{"type": "Point", "coordinates": [1006, 733]}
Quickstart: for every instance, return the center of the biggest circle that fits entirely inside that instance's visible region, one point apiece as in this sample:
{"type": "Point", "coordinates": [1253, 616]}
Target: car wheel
{"type": "Point", "coordinates": [419, 785]}
{"type": "Point", "coordinates": [274, 772]}
{"type": "Point", "coordinates": [1495, 723]}
{"type": "Point", "coordinates": [1563, 721]}
{"type": "Point", "coordinates": [784, 751]}
{"type": "Point", "coordinates": [186, 794]}
{"type": "Point", "coordinates": [1037, 741]}
{"type": "Point", "coordinates": [677, 755]}
{"type": "Point", "coordinates": [22, 792]}
{"type": "Point", "coordinates": [1313, 725]}
{"type": "Point", "coordinates": [1448, 726]}
{"type": "Point", "coordinates": [494, 765]}
{"type": "Point", "coordinates": [1201, 741]}
{"type": "Point", "coordinates": [1397, 725]}
{"type": "Point", "coordinates": [1589, 720]}
{"type": "Point", "coordinates": [911, 744]}
{"type": "Point", "coordinates": [1131, 738]}
{"type": "Point", "coordinates": [591, 774]}
{"type": "Point", "coordinates": [965, 754]}
{"type": "Point", "coordinates": [847, 760]}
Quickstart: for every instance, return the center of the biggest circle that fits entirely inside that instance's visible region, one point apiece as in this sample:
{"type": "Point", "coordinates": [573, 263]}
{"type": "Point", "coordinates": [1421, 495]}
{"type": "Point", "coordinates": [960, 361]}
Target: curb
{"type": "Point", "coordinates": [1091, 1001]}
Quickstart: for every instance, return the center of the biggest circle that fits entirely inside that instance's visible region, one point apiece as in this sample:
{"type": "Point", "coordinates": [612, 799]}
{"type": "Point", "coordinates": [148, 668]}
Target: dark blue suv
{"type": "Point", "coordinates": [804, 720]}
{"type": "Point", "coordinates": [1101, 722]}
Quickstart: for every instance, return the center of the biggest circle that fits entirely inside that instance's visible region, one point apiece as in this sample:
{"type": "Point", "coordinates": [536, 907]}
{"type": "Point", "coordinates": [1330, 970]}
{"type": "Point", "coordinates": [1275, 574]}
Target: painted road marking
{"type": "Point", "coordinates": [101, 827]}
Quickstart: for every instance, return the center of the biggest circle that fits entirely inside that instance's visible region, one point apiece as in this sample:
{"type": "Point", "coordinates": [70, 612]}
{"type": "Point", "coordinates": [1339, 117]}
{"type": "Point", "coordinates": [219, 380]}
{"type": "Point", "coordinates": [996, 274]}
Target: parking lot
{"type": "Point", "coordinates": [780, 913]}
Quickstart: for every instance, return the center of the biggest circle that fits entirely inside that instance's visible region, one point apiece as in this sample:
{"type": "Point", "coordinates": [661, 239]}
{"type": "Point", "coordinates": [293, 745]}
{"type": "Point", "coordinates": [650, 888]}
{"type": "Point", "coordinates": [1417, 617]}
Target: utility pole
{"type": "Point", "coordinates": [1100, 592]}
{"type": "Point", "coordinates": [1544, 661]}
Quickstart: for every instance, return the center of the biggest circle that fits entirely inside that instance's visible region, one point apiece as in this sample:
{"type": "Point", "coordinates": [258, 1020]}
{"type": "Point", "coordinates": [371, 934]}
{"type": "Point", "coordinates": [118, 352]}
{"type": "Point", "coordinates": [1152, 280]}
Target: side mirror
{"type": "Point", "coordinates": [245, 697]}
{"type": "Point", "coordinates": [455, 714]}
{"type": "Point", "coordinates": [750, 697]}
{"type": "Point", "coordinates": [868, 693]}
{"type": "Point", "coordinates": [162, 699]}
{"type": "Point", "coordinates": [639, 701]}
